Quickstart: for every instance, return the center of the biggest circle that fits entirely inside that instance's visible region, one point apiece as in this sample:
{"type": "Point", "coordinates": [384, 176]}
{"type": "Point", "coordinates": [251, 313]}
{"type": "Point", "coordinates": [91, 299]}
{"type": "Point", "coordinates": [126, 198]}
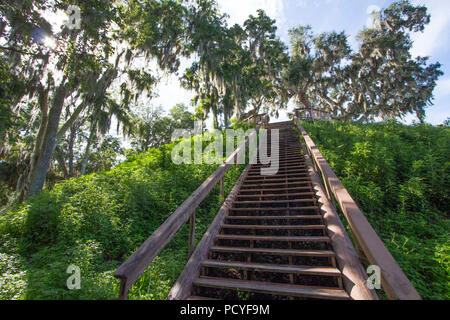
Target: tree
{"type": "Point", "coordinates": [268, 59]}
{"type": "Point", "coordinates": [235, 65]}
{"type": "Point", "coordinates": [71, 72]}
{"type": "Point", "coordinates": [153, 129]}
{"type": "Point", "coordinates": [389, 82]}
{"type": "Point", "coordinates": [380, 80]}
{"type": "Point", "coordinates": [316, 72]}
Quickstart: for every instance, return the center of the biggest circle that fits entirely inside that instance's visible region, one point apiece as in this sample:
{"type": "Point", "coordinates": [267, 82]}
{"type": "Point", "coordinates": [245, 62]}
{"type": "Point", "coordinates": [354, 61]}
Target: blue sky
{"type": "Point", "coordinates": [340, 15]}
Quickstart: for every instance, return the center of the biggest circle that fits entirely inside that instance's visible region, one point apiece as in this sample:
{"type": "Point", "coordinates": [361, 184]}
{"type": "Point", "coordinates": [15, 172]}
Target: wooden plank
{"type": "Point", "coordinates": [275, 252]}
{"type": "Point", "coordinates": [265, 180]}
{"type": "Point", "coordinates": [258, 267]}
{"type": "Point", "coordinates": [275, 201]}
{"type": "Point", "coordinates": [274, 217]}
{"type": "Point", "coordinates": [282, 170]}
{"type": "Point", "coordinates": [282, 195]}
{"type": "Point", "coordinates": [275, 190]}
{"type": "Point", "coordinates": [394, 280]}
{"type": "Point", "coordinates": [273, 288]}
{"type": "Point", "coordinates": [272, 238]}
{"type": "Point", "coordinates": [183, 286]}
{"type": "Point", "coordinates": [275, 184]}
{"type": "Point", "coordinates": [276, 209]}
{"type": "Point", "coordinates": [273, 227]}
{"type": "Point", "coordinates": [277, 177]}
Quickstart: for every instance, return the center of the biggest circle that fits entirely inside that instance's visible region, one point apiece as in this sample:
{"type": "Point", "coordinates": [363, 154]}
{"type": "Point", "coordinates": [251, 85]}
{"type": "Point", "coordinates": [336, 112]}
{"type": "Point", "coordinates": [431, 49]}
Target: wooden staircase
{"type": "Point", "coordinates": [273, 243]}
{"type": "Point", "coordinates": [272, 238]}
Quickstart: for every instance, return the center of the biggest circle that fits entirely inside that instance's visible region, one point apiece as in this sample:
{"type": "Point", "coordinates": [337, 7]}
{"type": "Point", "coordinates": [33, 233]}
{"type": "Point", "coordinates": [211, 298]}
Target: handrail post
{"type": "Point", "coordinates": [123, 291]}
{"type": "Point", "coordinates": [191, 234]}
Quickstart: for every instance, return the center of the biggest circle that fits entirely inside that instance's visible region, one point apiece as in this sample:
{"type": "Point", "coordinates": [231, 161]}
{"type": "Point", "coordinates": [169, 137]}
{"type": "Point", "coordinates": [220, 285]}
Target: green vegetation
{"type": "Point", "coordinates": [95, 222]}
{"type": "Point", "coordinates": [400, 177]}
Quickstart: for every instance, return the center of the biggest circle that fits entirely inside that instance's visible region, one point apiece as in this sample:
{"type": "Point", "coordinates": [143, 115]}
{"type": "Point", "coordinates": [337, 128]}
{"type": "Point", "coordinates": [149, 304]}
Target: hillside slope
{"type": "Point", "coordinates": [95, 222]}
{"type": "Point", "coordinates": [400, 177]}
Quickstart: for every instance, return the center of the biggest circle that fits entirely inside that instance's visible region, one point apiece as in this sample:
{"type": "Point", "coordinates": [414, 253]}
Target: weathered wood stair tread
{"type": "Point", "coordinates": [275, 189]}
{"type": "Point", "coordinates": [274, 201]}
{"type": "Point", "coordinates": [301, 194]}
{"type": "Point", "coordinates": [274, 184]}
{"type": "Point", "coordinates": [293, 177]}
{"type": "Point", "coordinates": [275, 252]}
{"type": "Point", "coordinates": [275, 208]}
{"type": "Point", "coordinates": [272, 238]}
{"type": "Point", "coordinates": [304, 217]}
{"type": "Point", "coordinates": [273, 227]}
{"type": "Point", "coordinates": [306, 270]}
{"type": "Point", "coordinates": [273, 288]}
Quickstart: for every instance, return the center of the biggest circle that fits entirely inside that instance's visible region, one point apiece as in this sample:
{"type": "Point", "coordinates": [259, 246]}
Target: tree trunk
{"type": "Point", "coordinates": [307, 105]}
{"type": "Point", "coordinates": [62, 162]}
{"type": "Point", "coordinates": [73, 135]}
{"type": "Point", "coordinates": [42, 157]}
{"type": "Point", "coordinates": [88, 148]}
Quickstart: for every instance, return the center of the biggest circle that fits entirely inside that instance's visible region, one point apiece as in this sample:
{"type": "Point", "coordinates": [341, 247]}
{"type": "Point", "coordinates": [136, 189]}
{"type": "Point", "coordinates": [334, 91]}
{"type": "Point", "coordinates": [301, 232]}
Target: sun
{"type": "Point", "coordinates": [49, 42]}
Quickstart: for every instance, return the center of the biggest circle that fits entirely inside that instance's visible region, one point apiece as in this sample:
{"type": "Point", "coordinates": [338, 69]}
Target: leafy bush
{"type": "Point", "coordinates": [96, 222]}
{"type": "Point", "coordinates": [400, 177]}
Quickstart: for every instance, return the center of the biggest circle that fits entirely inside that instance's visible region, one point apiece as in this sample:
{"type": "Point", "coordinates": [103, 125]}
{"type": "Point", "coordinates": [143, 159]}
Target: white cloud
{"type": "Point", "coordinates": [433, 38]}
{"type": "Point", "coordinates": [374, 15]}
{"type": "Point", "coordinates": [442, 88]}
{"type": "Point", "coordinates": [239, 10]}
{"type": "Point", "coordinates": [170, 93]}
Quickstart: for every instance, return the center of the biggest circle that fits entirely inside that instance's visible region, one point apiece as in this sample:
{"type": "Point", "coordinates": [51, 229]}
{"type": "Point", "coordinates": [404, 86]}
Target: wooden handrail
{"type": "Point", "coordinates": [261, 116]}
{"type": "Point", "coordinates": [393, 279]}
{"type": "Point", "coordinates": [136, 264]}
{"type": "Point", "coordinates": [182, 289]}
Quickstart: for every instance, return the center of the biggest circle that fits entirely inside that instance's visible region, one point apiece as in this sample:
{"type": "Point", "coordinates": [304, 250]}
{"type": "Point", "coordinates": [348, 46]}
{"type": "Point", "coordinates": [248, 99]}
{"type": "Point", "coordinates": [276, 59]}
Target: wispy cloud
{"type": "Point", "coordinates": [432, 39]}
{"type": "Point", "coordinates": [239, 10]}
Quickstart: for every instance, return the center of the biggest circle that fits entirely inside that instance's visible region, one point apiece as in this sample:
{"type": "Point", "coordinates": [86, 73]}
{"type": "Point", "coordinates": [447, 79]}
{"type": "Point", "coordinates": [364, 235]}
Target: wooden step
{"type": "Point", "coordinates": [303, 217]}
{"type": "Point", "coordinates": [300, 194]}
{"type": "Point", "coordinates": [259, 227]}
{"type": "Point", "coordinates": [281, 177]}
{"type": "Point", "coordinates": [275, 252]}
{"type": "Point", "coordinates": [281, 169]}
{"type": "Point", "coordinates": [265, 179]}
{"type": "Point", "coordinates": [292, 162]}
{"type": "Point", "coordinates": [276, 189]}
{"type": "Point", "coordinates": [298, 163]}
{"type": "Point", "coordinates": [274, 201]}
{"type": "Point", "coordinates": [272, 238]}
{"type": "Point", "coordinates": [274, 209]}
{"type": "Point", "coordinates": [257, 267]}
{"type": "Point", "coordinates": [305, 182]}
{"type": "Point", "coordinates": [273, 288]}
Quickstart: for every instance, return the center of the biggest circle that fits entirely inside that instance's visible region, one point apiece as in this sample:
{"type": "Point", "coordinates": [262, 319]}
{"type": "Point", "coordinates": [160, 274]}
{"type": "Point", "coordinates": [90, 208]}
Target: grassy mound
{"type": "Point", "coordinates": [95, 222]}
{"type": "Point", "coordinates": [400, 177]}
